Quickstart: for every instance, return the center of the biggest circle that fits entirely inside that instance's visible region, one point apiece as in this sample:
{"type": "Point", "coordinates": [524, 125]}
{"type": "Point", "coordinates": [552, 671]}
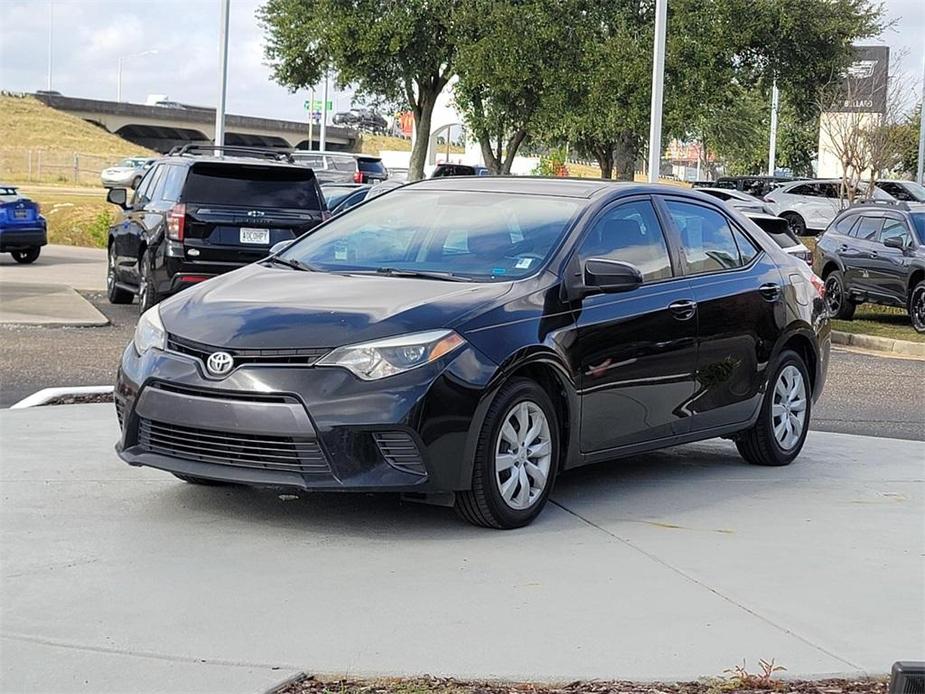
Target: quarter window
{"type": "Point", "coordinates": [843, 225]}
{"type": "Point", "coordinates": [707, 240]}
{"type": "Point", "coordinates": [631, 233]}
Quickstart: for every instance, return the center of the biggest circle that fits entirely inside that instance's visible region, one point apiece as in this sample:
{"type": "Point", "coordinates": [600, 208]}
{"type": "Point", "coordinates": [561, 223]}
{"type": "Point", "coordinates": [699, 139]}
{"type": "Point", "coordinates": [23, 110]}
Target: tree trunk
{"type": "Point", "coordinates": [513, 144]}
{"type": "Point", "coordinates": [488, 154]}
{"type": "Point", "coordinates": [603, 152]}
{"type": "Point", "coordinates": [624, 154]}
{"type": "Point", "coordinates": [422, 107]}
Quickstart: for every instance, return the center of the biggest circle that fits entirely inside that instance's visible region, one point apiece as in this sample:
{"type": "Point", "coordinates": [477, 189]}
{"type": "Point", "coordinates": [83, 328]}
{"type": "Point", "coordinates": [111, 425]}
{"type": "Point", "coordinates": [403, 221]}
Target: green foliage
{"type": "Point", "coordinates": [98, 228]}
{"type": "Point", "coordinates": [552, 163]}
{"type": "Point", "coordinates": [908, 139]}
{"type": "Point", "coordinates": [401, 51]}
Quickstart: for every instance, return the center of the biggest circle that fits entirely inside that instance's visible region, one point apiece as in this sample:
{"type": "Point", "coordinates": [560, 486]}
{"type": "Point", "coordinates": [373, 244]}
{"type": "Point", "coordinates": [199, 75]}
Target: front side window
{"type": "Point", "coordinates": [867, 228]}
{"type": "Point", "coordinates": [894, 228]}
{"type": "Point", "coordinates": [707, 241]}
{"type": "Point", "coordinates": [141, 192]}
{"type": "Point", "coordinates": [631, 233]}
{"type": "Point", "coordinates": [473, 235]}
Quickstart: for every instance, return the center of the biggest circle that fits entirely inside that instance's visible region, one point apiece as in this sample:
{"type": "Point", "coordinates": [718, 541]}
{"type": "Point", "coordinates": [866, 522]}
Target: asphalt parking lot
{"type": "Point", "coordinates": [670, 565]}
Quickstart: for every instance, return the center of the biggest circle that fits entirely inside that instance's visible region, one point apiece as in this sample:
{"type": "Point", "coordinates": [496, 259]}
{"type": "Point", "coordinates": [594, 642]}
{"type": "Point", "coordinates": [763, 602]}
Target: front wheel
{"type": "Point", "coordinates": [516, 459]}
{"type": "Point", "coordinates": [917, 307]}
{"type": "Point", "coordinates": [147, 289]}
{"type": "Point", "coordinates": [29, 255]}
{"type": "Point", "coordinates": [780, 432]}
{"type": "Point", "coordinates": [837, 302]}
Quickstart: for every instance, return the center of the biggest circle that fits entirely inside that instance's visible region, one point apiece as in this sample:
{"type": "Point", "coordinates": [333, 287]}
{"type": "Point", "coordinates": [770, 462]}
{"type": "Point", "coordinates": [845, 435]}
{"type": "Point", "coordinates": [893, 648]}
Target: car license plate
{"type": "Point", "coordinates": [374, 181]}
{"type": "Point", "coordinates": [261, 236]}
{"type": "Point", "coordinates": [20, 214]}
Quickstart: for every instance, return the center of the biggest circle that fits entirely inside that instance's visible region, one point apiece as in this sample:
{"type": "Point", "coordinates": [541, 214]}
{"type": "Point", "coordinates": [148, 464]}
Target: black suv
{"type": "Point", "coordinates": [874, 253]}
{"type": "Point", "coordinates": [196, 214]}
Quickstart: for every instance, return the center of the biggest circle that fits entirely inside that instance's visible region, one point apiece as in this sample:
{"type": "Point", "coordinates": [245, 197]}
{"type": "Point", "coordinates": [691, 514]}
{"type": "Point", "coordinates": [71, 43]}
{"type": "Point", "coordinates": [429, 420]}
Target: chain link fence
{"type": "Point", "coordinates": [21, 165]}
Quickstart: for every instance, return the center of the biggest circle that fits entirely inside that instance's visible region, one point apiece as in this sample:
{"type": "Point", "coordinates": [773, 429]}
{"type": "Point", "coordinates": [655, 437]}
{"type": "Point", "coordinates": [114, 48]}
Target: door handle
{"type": "Point", "coordinates": [843, 248]}
{"type": "Point", "coordinates": [770, 291]}
{"type": "Point", "coordinates": [683, 309]}
{"type": "Point", "coordinates": [873, 254]}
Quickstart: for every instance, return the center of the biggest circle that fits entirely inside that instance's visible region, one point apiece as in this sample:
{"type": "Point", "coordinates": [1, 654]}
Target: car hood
{"type": "Point", "coordinates": [259, 307]}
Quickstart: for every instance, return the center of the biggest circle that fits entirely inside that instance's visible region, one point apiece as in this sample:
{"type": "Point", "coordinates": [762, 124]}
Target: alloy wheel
{"type": "Point", "coordinates": [110, 269]}
{"type": "Point", "coordinates": [788, 408]}
{"type": "Point", "coordinates": [917, 312]}
{"type": "Point", "coordinates": [523, 455]}
{"type": "Point", "coordinates": [833, 295]}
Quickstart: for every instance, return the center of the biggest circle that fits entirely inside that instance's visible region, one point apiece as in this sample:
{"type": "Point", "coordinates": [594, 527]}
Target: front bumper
{"type": "Point", "coordinates": [301, 426]}
{"type": "Point", "coordinates": [22, 237]}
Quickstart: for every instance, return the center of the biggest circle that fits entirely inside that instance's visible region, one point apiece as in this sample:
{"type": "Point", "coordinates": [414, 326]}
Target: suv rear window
{"type": "Point", "coordinates": [371, 166]}
{"type": "Point", "coordinates": [252, 186]}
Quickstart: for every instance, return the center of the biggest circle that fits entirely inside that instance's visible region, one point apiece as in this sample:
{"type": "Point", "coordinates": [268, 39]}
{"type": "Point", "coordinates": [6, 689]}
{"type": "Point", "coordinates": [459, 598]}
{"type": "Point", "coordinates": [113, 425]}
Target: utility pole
{"type": "Point", "coordinates": [223, 75]}
{"type": "Point", "coordinates": [658, 87]}
{"type": "Point", "coordinates": [323, 139]}
{"type": "Point", "coordinates": [772, 146]}
{"type": "Point", "coordinates": [919, 174]}
{"type": "Point", "coordinates": [51, 33]}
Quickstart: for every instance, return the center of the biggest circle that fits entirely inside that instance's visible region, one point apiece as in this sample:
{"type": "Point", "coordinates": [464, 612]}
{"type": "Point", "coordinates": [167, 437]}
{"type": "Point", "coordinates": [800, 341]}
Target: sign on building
{"type": "Point", "coordinates": [864, 86]}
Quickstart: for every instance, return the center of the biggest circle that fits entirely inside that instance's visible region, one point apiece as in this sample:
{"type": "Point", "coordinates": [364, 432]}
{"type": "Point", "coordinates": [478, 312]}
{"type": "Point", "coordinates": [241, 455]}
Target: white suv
{"type": "Point", "coordinates": [810, 205]}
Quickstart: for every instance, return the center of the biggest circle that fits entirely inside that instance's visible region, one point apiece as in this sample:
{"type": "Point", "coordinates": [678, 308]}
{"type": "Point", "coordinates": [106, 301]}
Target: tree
{"type": "Point", "coordinates": [401, 51]}
{"type": "Point", "coordinates": [512, 60]}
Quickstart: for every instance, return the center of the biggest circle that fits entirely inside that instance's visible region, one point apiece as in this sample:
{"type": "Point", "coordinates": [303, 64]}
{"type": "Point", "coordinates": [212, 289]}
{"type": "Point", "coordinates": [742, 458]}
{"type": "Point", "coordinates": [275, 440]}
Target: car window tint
{"type": "Point", "coordinates": [631, 233]}
{"type": "Point", "coordinates": [373, 166]}
{"type": "Point", "coordinates": [255, 186]}
{"type": "Point", "coordinates": [157, 183]}
{"type": "Point", "coordinates": [843, 225]}
{"type": "Point", "coordinates": [868, 228]}
{"type": "Point", "coordinates": [894, 228]}
{"type": "Point", "coordinates": [141, 192]}
{"type": "Point", "coordinates": [342, 163]}
{"type": "Point", "coordinates": [828, 190]}
{"type": "Point", "coordinates": [172, 183]}
{"type": "Point", "coordinates": [804, 189]}
{"type": "Point", "coordinates": [706, 238]}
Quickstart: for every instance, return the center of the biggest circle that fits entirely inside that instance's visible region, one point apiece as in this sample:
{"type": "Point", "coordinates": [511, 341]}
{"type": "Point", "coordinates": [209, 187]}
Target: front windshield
{"type": "Point", "coordinates": [918, 219]}
{"type": "Point", "coordinates": [475, 235]}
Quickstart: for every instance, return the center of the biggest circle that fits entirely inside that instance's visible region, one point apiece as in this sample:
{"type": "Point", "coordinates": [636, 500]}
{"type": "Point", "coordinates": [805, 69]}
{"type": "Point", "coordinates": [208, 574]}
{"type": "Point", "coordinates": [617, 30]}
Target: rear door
{"type": "Point", "coordinates": [738, 291]}
{"type": "Point", "coordinates": [861, 250]}
{"type": "Point", "coordinates": [889, 267]}
{"type": "Point", "coordinates": [236, 212]}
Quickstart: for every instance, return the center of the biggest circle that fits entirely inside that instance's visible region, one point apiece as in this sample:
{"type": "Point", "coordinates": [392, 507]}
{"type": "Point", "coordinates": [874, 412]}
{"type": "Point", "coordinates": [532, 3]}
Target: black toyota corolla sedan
{"type": "Point", "coordinates": [465, 340]}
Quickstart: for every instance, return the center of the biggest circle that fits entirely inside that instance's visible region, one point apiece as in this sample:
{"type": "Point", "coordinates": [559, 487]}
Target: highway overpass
{"type": "Point", "coordinates": [160, 128]}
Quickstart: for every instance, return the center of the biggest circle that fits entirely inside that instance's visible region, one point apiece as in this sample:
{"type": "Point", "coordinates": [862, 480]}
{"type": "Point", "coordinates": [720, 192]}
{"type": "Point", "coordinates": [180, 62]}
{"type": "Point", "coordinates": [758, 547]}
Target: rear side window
{"type": "Point", "coordinates": [868, 228]}
{"type": "Point", "coordinates": [252, 186]}
{"type": "Point", "coordinates": [172, 183]}
{"type": "Point", "coordinates": [894, 228]}
{"type": "Point", "coordinates": [747, 249]}
{"type": "Point", "coordinates": [707, 240]}
{"type": "Point", "coordinates": [342, 163]}
{"type": "Point", "coordinates": [805, 189]}
{"type": "Point", "coordinates": [630, 233]}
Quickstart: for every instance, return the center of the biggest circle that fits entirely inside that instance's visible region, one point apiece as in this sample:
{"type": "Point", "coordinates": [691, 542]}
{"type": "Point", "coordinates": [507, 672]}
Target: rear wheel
{"type": "Point", "coordinates": [917, 307]}
{"type": "Point", "coordinates": [116, 295]}
{"type": "Point", "coordinates": [778, 435]}
{"type": "Point", "coordinates": [795, 223]}
{"type": "Point", "coordinates": [837, 301]}
{"type": "Point", "coordinates": [147, 290]}
{"type": "Point", "coordinates": [516, 459]}
{"type": "Point", "coordinates": [29, 255]}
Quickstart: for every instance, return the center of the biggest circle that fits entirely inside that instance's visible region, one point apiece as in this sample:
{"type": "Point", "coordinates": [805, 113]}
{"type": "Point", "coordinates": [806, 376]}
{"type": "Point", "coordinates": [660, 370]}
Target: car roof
{"type": "Point", "coordinates": [355, 155]}
{"type": "Point", "coordinates": [227, 159]}
{"type": "Point", "coordinates": [537, 185]}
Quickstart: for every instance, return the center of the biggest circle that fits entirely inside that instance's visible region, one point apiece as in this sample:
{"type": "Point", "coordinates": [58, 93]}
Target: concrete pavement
{"type": "Point", "coordinates": [78, 268]}
{"type": "Point", "coordinates": [46, 304]}
{"type": "Point", "coordinates": [671, 565]}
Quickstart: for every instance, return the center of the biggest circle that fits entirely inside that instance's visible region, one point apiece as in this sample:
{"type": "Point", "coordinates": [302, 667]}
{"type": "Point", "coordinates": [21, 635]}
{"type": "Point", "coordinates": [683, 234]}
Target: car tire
{"type": "Point", "coordinates": [780, 432]}
{"type": "Point", "coordinates": [191, 479]}
{"type": "Point", "coordinates": [116, 295]}
{"type": "Point", "coordinates": [917, 307]}
{"type": "Point", "coordinates": [795, 223]}
{"type": "Point", "coordinates": [516, 459]}
{"type": "Point", "coordinates": [837, 302]}
{"type": "Point", "coordinates": [30, 255]}
{"type": "Point", "coordinates": [147, 290]}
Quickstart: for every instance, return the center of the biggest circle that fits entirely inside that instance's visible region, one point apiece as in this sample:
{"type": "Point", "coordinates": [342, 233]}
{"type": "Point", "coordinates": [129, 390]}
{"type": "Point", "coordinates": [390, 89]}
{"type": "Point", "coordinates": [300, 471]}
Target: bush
{"type": "Point", "coordinates": [552, 164]}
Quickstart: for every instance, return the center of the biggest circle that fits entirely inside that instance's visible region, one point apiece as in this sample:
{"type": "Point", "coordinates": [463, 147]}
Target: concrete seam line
{"type": "Point", "coordinates": [46, 394]}
{"type": "Point", "coordinates": [152, 655]}
{"type": "Point", "coordinates": [720, 595]}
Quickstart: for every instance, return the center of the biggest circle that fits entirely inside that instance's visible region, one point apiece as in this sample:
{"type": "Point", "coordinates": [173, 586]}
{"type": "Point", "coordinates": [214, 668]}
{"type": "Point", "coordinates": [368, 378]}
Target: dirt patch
{"type": "Point", "coordinates": [84, 399]}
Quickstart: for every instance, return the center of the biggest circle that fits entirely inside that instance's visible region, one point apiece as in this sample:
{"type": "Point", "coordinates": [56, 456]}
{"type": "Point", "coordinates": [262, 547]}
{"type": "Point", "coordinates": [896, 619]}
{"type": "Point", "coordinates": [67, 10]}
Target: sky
{"type": "Point", "coordinates": [89, 37]}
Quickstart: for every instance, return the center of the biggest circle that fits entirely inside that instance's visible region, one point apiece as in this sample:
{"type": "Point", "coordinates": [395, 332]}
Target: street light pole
{"type": "Point", "coordinates": [119, 73]}
{"type": "Point", "coordinates": [323, 136]}
{"type": "Point", "coordinates": [51, 33]}
{"type": "Point", "coordinates": [311, 118]}
{"type": "Point", "coordinates": [919, 174]}
{"type": "Point", "coordinates": [772, 145]}
{"type": "Point", "coordinates": [658, 87]}
{"type": "Point", "coordinates": [223, 75]}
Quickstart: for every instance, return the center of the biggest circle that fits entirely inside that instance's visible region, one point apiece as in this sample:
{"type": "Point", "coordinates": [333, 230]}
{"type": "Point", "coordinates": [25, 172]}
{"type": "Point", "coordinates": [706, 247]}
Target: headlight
{"type": "Point", "coordinates": [149, 332]}
{"type": "Point", "coordinates": [393, 355]}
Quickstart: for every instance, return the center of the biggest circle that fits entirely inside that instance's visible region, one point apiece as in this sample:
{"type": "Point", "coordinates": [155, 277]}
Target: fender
{"type": "Point", "coordinates": [535, 355]}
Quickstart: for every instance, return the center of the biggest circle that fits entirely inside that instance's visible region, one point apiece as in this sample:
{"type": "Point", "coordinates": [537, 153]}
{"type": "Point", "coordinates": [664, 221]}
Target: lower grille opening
{"type": "Point", "coordinates": [235, 449]}
{"type": "Point", "coordinates": [400, 451]}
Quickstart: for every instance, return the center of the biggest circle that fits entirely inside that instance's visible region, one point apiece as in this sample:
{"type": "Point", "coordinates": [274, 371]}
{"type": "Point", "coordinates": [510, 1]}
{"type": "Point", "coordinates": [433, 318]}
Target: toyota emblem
{"type": "Point", "coordinates": [219, 363]}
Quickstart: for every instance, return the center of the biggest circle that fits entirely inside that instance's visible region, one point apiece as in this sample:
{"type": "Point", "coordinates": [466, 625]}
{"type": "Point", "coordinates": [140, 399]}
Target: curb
{"type": "Point", "coordinates": [279, 686]}
{"type": "Point", "coordinates": [880, 344]}
{"type": "Point", "coordinates": [42, 396]}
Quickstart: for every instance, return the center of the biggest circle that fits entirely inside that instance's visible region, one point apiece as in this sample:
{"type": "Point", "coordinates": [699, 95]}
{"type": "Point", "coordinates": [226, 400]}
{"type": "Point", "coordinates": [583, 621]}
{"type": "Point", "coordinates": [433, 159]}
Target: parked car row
{"type": "Point", "coordinates": [461, 340]}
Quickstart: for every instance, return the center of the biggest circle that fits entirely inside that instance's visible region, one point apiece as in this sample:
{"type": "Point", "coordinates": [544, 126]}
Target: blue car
{"type": "Point", "coordinates": [23, 230]}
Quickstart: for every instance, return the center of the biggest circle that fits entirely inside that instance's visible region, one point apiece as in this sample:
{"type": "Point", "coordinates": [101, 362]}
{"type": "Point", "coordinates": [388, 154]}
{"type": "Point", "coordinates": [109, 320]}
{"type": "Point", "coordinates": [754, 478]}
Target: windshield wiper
{"type": "Point", "coordinates": [445, 276]}
{"type": "Point", "coordinates": [290, 262]}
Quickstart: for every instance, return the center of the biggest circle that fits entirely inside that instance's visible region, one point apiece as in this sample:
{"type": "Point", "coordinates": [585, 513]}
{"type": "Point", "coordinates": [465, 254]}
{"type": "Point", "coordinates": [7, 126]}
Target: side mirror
{"type": "Point", "coordinates": [611, 276]}
{"type": "Point", "coordinates": [895, 242]}
{"type": "Point", "coordinates": [118, 196]}
{"type": "Point", "coordinates": [279, 247]}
